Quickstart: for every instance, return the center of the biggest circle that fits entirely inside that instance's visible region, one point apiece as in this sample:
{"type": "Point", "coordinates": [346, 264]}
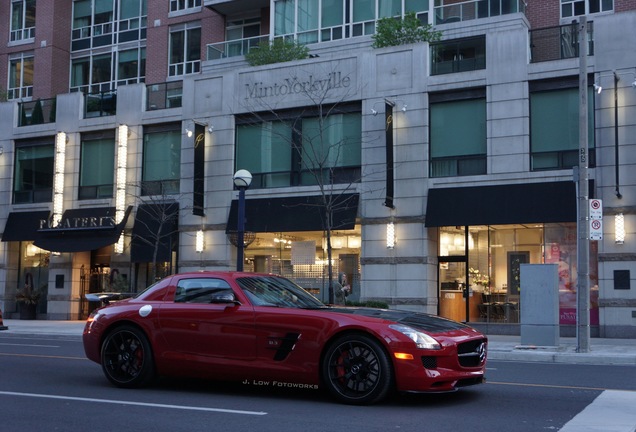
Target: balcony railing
{"type": "Point", "coordinates": [164, 95]}
{"type": "Point", "coordinates": [100, 104]}
{"type": "Point", "coordinates": [474, 9]}
{"type": "Point", "coordinates": [37, 112]}
{"type": "Point", "coordinates": [557, 43]}
{"type": "Point", "coordinates": [234, 48]}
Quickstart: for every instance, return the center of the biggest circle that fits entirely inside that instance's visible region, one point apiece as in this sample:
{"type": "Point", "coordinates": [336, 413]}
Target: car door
{"type": "Point", "coordinates": [199, 323]}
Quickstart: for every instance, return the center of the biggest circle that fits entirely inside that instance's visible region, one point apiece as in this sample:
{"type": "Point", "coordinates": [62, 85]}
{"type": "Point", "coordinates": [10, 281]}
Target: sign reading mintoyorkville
{"type": "Point", "coordinates": [294, 85]}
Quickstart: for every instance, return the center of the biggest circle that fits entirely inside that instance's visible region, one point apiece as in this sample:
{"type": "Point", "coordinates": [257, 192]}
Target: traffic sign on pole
{"type": "Point", "coordinates": [596, 209]}
{"type": "Point", "coordinates": [596, 229]}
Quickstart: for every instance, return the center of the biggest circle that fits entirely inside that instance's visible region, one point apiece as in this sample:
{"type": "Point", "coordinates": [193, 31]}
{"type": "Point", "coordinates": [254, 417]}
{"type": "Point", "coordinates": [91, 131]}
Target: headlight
{"type": "Point", "coordinates": [422, 340]}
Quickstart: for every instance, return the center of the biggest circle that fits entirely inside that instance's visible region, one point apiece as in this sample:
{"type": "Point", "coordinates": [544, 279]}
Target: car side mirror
{"type": "Point", "coordinates": [224, 298]}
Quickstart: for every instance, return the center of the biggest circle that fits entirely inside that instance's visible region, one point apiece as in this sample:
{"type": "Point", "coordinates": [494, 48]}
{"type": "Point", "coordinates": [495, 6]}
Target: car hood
{"type": "Point", "coordinates": [418, 320]}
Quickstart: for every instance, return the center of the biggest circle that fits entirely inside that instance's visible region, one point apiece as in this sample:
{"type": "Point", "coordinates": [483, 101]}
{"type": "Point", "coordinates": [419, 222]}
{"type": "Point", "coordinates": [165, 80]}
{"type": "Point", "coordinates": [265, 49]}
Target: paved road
{"type": "Point", "coordinates": [46, 384]}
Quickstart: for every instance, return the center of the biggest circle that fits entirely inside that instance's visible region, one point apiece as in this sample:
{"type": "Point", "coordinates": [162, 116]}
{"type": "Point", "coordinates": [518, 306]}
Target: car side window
{"type": "Point", "coordinates": [201, 290]}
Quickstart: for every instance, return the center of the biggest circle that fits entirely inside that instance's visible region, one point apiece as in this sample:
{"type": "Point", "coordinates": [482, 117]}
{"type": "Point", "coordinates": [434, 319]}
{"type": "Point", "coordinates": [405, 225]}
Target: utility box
{"type": "Point", "coordinates": [539, 301]}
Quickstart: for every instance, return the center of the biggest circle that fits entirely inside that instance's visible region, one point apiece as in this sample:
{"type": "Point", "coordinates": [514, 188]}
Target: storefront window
{"type": "Point", "coordinates": [457, 151]}
{"type": "Point", "coordinates": [33, 276]}
{"type": "Point", "coordinates": [33, 176]}
{"type": "Point", "coordinates": [97, 166]}
{"type": "Point", "coordinates": [161, 160]}
{"type": "Point", "coordinates": [490, 275]}
{"type": "Point", "coordinates": [302, 257]}
{"type": "Point", "coordinates": [295, 150]}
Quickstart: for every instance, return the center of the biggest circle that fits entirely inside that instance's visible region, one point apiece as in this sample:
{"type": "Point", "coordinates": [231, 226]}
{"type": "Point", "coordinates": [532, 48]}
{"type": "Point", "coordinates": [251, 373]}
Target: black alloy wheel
{"type": "Point", "coordinates": [127, 359]}
{"type": "Point", "coordinates": [357, 370]}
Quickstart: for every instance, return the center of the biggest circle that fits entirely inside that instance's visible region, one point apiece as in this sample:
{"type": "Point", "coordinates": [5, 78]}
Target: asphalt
{"type": "Point", "coordinates": [602, 351]}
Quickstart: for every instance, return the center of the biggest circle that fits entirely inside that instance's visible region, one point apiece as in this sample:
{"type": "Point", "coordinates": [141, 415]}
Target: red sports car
{"type": "Point", "coordinates": [264, 330]}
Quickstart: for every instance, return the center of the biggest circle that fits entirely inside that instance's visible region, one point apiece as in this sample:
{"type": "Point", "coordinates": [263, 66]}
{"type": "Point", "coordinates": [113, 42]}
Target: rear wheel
{"type": "Point", "coordinates": [127, 357]}
{"type": "Point", "coordinates": [357, 370]}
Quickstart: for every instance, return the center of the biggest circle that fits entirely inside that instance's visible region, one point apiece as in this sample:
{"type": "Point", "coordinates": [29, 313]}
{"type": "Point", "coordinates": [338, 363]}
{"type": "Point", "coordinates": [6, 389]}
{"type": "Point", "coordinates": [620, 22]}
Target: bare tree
{"type": "Point", "coordinates": [324, 148]}
{"type": "Point", "coordinates": [156, 224]}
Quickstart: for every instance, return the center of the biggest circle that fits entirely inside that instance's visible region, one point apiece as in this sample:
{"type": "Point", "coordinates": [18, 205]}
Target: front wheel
{"type": "Point", "coordinates": [127, 357]}
{"type": "Point", "coordinates": [357, 370]}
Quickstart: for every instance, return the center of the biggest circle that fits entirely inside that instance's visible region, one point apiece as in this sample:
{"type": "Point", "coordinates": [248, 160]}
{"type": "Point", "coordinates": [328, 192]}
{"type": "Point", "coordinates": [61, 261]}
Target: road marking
{"type": "Point", "coordinates": [42, 356]}
{"type": "Point", "coordinates": [144, 404]}
{"type": "Point", "coordinates": [30, 345]}
{"type": "Point", "coordinates": [567, 387]}
{"type": "Point", "coordinates": [611, 411]}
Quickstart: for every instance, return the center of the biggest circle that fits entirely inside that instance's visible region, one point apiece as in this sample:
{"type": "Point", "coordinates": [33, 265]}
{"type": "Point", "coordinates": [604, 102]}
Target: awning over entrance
{"type": "Point", "coordinates": [156, 228]}
{"type": "Point", "coordinates": [23, 226]}
{"type": "Point", "coordinates": [293, 214]}
{"type": "Point", "coordinates": [503, 204]}
{"type": "Point", "coordinates": [82, 229]}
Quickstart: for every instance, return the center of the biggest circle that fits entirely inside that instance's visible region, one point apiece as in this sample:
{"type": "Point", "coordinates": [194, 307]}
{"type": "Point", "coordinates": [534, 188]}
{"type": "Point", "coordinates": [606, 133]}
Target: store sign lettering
{"type": "Point", "coordinates": [291, 86]}
{"type": "Point", "coordinates": [79, 223]}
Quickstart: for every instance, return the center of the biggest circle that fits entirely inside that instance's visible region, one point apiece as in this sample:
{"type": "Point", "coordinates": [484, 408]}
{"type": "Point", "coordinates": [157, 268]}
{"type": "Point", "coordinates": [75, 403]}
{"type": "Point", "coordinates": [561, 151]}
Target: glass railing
{"type": "Point", "coordinates": [164, 95]}
{"type": "Point", "coordinates": [37, 112]}
{"type": "Point", "coordinates": [557, 43]}
{"type": "Point", "coordinates": [475, 9]}
{"type": "Point", "coordinates": [233, 48]}
{"type": "Point", "coordinates": [100, 104]}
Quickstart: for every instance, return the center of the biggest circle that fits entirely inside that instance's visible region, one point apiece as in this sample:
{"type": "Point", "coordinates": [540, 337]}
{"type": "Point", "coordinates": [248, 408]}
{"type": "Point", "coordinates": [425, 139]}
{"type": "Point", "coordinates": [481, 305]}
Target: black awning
{"type": "Point", "coordinates": [82, 229]}
{"type": "Point", "coordinates": [304, 213]}
{"type": "Point", "coordinates": [548, 202]}
{"type": "Point", "coordinates": [23, 226]}
{"type": "Point", "coordinates": [156, 228]}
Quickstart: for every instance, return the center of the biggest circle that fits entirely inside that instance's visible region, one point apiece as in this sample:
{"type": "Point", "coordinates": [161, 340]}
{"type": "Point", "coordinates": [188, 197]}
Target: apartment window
{"type": "Point", "coordinates": [92, 74]}
{"type": "Point", "coordinates": [179, 5]}
{"type": "Point", "coordinates": [290, 150]}
{"type": "Point", "coordinates": [92, 24]}
{"type": "Point", "coordinates": [161, 166]}
{"type": "Point", "coordinates": [572, 8]}
{"type": "Point", "coordinates": [33, 176]}
{"type": "Point", "coordinates": [554, 126]}
{"type": "Point", "coordinates": [458, 55]}
{"type": "Point", "coordinates": [22, 20]}
{"type": "Point", "coordinates": [97, 165]}
{"type": "Point", "coordinates": [131, 66]}
{"type": "Point", "coordinates": [185, 49]}
{"type": "Point", "coordinates": [458, 134]}
{"type": "Point", "coordinates": [311, 21]}
{"type": "Point", "coordinates": [242, 35]}
{"type": "Point", "coordinates": [20, 84]}
{"type": "Point", "coordinates": [133, 17]}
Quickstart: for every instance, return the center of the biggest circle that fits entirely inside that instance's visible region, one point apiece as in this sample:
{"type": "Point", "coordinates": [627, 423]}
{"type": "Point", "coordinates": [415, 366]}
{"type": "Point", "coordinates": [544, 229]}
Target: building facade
{"type": "Point", "coordinates": [435, 170]}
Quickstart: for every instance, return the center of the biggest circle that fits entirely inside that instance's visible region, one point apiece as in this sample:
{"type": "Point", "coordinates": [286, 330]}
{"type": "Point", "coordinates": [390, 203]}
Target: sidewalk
{"type": "Point", "coordinates": [602, 351]}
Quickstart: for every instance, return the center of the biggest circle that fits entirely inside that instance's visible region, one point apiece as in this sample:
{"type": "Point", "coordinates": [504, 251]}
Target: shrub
{"type": "Point", "coordinates": [393, 32]}
{"type": "Point", "coordinates": [277, 51]}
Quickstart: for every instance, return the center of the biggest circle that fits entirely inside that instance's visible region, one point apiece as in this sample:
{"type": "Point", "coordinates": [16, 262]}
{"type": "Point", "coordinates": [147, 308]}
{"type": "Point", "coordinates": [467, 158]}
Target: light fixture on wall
{"type": "Point", "coordinates": [188, 132]}
{"type": "Point", "coordinates": [390, 235]}
{"type": "Point", "coordinates": [120, 191]}
{"type": "Point", "coordinates": [58, 179]}
{"type": "Point", "coordinates": [199, 243]}
{"type": "Point", "coordinates": [598, 88]}
{"type": "Point", "coordinates": [619, 228]}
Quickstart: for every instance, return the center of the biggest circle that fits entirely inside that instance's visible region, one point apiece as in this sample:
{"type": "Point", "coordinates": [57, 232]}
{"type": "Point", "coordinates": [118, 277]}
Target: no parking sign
{"type": "Point", "coordinates": [596, 219]}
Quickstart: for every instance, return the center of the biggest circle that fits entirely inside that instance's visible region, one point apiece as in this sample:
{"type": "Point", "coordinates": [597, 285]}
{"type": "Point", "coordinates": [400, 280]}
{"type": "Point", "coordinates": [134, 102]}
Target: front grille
{"type": "Point", "coordinates": [473, 353]}
{"type": "Point", "coordinates": [429, 362]}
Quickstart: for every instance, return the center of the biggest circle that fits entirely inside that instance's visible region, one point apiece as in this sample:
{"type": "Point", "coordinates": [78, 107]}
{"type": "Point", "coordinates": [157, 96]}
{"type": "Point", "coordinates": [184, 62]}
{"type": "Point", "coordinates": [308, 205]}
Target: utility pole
{"type": "Point", "coordinates": [583, 228]}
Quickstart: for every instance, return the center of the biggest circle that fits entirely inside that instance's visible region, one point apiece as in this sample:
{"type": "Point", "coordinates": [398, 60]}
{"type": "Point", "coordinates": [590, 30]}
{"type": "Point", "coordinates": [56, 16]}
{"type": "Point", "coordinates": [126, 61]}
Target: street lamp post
{"type": "Point", "coordinates": [242, 181]}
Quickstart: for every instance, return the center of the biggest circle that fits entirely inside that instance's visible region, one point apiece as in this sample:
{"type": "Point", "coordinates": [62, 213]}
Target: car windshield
{"type": "Point", "coordinates": [277, 292]}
